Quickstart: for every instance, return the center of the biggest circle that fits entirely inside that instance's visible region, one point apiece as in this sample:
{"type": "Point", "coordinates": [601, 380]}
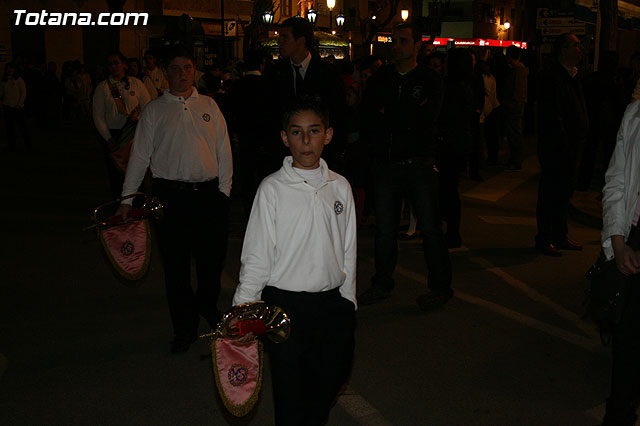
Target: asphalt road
{"type": "Point", "coordinates": [79, 348]}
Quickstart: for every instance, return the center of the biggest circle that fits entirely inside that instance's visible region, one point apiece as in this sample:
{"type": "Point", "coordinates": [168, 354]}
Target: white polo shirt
{"type": "Point", "coordinates": [158, 78]}
{"type": "Point", "coordinates": [181, 139]}
{"type": "Point", "coordinates": [105, 111]}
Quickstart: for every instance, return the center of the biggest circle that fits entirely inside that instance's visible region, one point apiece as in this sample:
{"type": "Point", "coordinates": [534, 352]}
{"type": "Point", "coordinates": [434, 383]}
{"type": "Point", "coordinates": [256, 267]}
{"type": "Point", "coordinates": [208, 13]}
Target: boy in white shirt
{"type": "Point", "coordinates": [299, 253]}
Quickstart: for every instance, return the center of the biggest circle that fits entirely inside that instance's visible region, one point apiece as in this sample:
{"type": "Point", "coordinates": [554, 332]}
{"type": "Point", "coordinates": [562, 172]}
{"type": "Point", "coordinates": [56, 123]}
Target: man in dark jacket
{"type": "Point", "coordinates": [302, 72]}
{"type": "Point", "coordinates": [402, 103]}
{"type": "Point", "coordinates": [562, 132]}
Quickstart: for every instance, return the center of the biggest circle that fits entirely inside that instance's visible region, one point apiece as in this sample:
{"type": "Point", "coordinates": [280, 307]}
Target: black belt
{"type": "Point", "coordinates": [176, 185]}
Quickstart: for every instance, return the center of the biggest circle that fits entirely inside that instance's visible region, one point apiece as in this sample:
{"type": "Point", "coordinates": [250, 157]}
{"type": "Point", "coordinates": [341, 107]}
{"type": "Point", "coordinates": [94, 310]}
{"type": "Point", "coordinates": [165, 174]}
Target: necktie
{"type": "Point", "coordinates": [299, 86]}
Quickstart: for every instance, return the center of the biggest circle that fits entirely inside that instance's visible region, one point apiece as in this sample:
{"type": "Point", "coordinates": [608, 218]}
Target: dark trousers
{"type": "Point", "coordinates": [513, 128]}
{"type": "Point", "coordinates": [15, 117]}
{"type": "Point", "coordinates": [311, 366]}
{"type": "Point", "coordinates": [492, 135]}
{"type": "Point", "coordinates": [194, 224]}
{"type": "Point", "coordinates": [554, 192]}
{"type": "Point", "coordinates": [625, 377]}
{"type": "Point", "coordinates": [419, 183]}
{"type": "Point", "coordinates": [450, 166]}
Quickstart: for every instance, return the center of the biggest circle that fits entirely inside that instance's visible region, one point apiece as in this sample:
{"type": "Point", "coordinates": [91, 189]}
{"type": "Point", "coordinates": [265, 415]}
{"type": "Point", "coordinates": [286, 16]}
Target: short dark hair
{"type": "Point", "coordinates": [150, 52]}
{"type": "Point", "coordinates": [300, 27]}
{"type": "Point", "coordinates": [416, 31]}
{"type": "Point", "coordinates": [305, 103]}
{"type": "Point", "coordinates": [561, 42]}
{"type": "Point", "coordinates": [179, 51]}
{"type": "Point", "coordinates": [513, 52]}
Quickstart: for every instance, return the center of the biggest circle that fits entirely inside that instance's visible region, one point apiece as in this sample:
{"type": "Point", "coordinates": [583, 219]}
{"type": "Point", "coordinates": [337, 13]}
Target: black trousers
{"type": "Point", "coordinates": [194, 225]}
{"type": "Point", "coordinates": [554, 192]}
{"type": "Point", "coordinates": [310, 367]}
{"type": "Point", "coordinates": [419, 183]}
{"type": "Point", "coordinates": [625, 377]}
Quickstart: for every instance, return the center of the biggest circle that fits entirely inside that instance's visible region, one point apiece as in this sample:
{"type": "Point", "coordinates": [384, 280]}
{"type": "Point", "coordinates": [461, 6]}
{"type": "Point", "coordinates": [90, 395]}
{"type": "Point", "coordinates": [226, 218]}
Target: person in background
{"type": "Point", "coordinates": [117, 100]}
{"type": "Point", "coordinates": [155, 72]}
{"type": "Point", "coordinates": [401, 105]}
{"type": "Point", "coordinates": [134, 69]}
{"type": "Point", "coordinates": [514, 98]}
{"type": "Point", "coordinates": [562, 129]}
{"type": "Point", "coordinates": [13, 94]}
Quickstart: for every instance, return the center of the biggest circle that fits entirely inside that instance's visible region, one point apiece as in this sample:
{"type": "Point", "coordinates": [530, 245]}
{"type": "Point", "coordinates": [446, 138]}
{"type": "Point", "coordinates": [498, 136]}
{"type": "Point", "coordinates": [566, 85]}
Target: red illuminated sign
{"type": "Point", "coordinates": [477, 42]}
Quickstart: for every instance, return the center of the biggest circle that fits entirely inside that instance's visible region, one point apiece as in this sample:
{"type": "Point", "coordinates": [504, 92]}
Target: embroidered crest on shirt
{"type": "Point", "coordinates": [238, 374]}
{"type": "Point", "coordinates": [417, 92]}
{"type": "Point", "coordinates": [338, 207]}
{"type": "Point", "coordinates": [206, 117]}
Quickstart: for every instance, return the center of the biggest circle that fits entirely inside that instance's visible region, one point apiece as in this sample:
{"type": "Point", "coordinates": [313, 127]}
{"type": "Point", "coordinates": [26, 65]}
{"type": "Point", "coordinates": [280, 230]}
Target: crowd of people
{"type": "Point", "coordinates": [403, 130]}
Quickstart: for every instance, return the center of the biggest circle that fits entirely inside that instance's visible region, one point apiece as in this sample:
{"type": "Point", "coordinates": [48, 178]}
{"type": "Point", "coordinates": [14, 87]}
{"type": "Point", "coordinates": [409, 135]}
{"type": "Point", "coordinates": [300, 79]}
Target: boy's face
{"type": "Point", "coordinates": [306, 136]}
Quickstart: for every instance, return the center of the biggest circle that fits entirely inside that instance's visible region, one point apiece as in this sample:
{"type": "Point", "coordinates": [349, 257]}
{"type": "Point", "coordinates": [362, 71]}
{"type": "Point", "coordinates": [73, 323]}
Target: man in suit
{"type": "Point", "coordinates": [562, 132]}
{"type": "Point", "coordinates": [302, 72]}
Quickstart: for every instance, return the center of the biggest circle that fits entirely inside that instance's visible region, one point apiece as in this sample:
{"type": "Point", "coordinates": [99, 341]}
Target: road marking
{"type": "Point", "coordinates": [509, 220]}
{"type": "Point", "coordinates": [586, 343]}
{"type": "Point", "coordinates": [501, 184]}
{"type": "Point", "coordinates": [578, 322]}
{"type": "Point", "coordinates": [360, 409]}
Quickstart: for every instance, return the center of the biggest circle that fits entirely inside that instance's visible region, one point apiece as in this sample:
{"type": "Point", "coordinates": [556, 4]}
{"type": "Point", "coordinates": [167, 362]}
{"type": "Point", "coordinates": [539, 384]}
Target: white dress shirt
{"type": "Point", "coordinates": [158, 78]}
{"type": "Point", "coordinates": [105, 111]}
{"type": "Point", "coordinates": [183, 140]}
{"type": "Point", "coordinates": [299, 237]}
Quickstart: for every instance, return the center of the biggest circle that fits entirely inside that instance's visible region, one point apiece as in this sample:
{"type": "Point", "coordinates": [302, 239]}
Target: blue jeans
{"type": "Point", "coordinates": [419, 183]}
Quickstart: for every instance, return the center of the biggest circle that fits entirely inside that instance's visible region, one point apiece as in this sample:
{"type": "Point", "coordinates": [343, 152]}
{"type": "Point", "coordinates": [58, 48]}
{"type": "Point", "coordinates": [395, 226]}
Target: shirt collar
{"type": "Point", "coordinates": [194, 95]}
{"type": "Point", "coordinates": [293, 176]}
{"type": "Point", "coordinates": [305, 64]}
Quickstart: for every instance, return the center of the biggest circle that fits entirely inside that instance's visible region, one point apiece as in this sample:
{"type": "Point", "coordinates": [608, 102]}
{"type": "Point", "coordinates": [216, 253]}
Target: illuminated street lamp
{"type": "Point", "coordinates": [340, 20]}
{"type": "Point", "coordinates": [404, 14]}
{"type": "Point", "coordinates": [507, 25]}
{"type": "Point", "coordinates": [331, 4]}
{"type": "Point", "coordinates": [312, 15]}
{"type": "Point", "coordinates": [267, 17]}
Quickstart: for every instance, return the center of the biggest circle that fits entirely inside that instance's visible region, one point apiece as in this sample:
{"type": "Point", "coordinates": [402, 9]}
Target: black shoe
{"type": "Point", "coordinates": [180, 344]}
{"type": "Point", "coordinates": [476, 177]}
{"type": "Point", "coordinates": [568, 245]}
{"type": "Point", "coordinates": [434, 299]}
{"type": "Point", "coordinates": [373, 295]}
{"type": "Point", "coordinates": [548, 250]}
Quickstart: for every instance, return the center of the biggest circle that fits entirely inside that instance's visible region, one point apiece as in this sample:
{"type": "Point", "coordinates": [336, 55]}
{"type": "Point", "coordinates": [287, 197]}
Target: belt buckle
{"type": "Point", "coordinates": [194, 186]}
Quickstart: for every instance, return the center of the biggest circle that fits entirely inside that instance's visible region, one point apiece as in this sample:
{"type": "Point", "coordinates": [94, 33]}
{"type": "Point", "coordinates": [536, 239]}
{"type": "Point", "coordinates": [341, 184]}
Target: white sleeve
{"type": "Point", "coordinates": [348, 288]}
{"type": "Point", "coordinates": [258, 248]}
{"type": "Point", "coordinates": [99, 101]}
{"type": "Point", "coordinates": [140, 155]}
{"type": "Point", "coordinates": [223, 153]}
{"type": "Point", "coordinates": [613, 202]}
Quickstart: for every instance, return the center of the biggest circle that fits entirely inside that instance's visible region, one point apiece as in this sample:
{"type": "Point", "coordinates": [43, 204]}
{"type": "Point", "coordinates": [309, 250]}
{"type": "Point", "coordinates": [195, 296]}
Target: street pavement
{"type": "Point", "coordinates": [77, 347]}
